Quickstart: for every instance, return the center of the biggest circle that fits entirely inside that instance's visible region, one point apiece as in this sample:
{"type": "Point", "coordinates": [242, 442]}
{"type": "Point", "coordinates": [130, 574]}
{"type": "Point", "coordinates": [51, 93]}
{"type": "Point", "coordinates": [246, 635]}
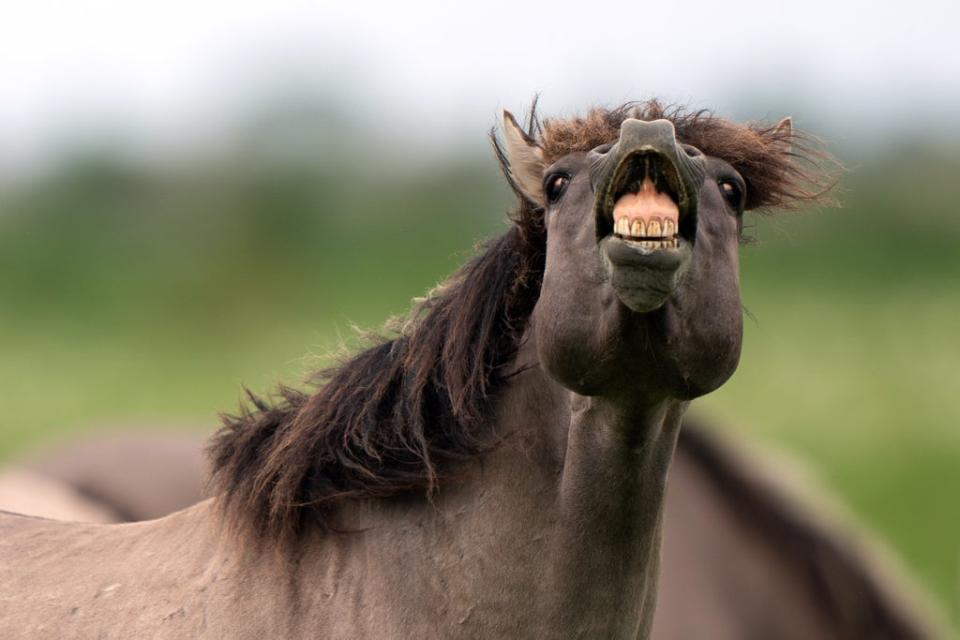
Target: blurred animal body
{"type": "Point", "coordinates": [114, 476]}
{"type": "Point", "coordinates": [517, 431]}
{"type": "Point", "coordinates": [23, 491]}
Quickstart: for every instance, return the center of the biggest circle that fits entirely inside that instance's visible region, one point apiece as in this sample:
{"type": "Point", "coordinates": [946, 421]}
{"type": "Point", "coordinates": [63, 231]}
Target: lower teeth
{"type": "Point", "coordinates": [666, 243]}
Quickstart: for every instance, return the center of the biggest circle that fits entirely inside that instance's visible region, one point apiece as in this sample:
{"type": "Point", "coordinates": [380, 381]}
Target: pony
{"type": "Point", "coordinates": [495, 468]}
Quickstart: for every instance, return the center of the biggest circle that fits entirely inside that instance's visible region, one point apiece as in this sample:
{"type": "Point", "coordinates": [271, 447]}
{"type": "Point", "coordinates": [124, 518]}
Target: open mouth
{"type": "Point", "coordinates": [646, 188]}
{"type": "Point", "coordinates": [646, 204]}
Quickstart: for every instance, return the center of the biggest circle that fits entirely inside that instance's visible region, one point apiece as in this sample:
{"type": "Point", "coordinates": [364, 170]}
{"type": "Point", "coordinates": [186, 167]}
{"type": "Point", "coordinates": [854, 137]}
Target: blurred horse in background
{"type": "Point", "coordinates": [115, 475]}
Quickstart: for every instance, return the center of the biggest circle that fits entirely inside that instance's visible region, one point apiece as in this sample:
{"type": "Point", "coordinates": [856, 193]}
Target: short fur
{"type": "Point", "coordinates": [391, 418]}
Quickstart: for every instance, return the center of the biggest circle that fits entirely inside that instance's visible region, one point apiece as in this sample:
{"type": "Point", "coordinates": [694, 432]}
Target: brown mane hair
{"type": "Point", "coordinates": [392, 418]}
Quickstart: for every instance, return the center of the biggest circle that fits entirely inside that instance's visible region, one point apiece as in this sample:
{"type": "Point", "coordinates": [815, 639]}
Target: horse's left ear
{"type": "Point", "coordinates": [524, 161]}
{"type": "Point", "coordinates": [782, 134]}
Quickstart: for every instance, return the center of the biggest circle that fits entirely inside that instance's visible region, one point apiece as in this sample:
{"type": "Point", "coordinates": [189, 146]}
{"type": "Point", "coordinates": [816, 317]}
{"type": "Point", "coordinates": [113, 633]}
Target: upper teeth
{"type": "Point", "coordinates": [652, 228]}
{"type": "Point", "coordinates": [646, 213]}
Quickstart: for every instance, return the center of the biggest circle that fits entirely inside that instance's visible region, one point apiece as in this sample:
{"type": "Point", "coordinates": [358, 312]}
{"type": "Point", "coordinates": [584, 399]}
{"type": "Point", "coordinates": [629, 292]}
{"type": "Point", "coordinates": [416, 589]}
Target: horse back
{"type": "Point", "coordinates": [71, 580]}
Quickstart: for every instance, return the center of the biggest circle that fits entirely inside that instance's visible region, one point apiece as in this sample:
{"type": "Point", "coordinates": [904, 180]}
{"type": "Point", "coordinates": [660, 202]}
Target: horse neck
{"type": "Point", "coordinates": [610, 514]}
{"type": "Point", "coordinates": [556, 532]}
{"type": "Point", "coordinates": [606, 475]}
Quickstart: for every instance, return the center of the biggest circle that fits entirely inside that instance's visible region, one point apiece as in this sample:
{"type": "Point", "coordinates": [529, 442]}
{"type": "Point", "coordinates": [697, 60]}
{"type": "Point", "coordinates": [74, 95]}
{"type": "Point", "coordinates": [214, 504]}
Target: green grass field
{"type": "Point", "coordinates": [148, 299]}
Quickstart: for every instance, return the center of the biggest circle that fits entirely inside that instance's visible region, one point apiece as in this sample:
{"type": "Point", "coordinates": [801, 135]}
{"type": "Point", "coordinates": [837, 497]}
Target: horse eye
{"type": "Point", "coordinates": [731, 193]}
{"type": "Point", "coordinates": [555, 186]}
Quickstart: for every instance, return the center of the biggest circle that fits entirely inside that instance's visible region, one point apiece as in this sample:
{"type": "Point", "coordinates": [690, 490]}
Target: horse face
{"type": "Point", "coordinates": [641, 287]}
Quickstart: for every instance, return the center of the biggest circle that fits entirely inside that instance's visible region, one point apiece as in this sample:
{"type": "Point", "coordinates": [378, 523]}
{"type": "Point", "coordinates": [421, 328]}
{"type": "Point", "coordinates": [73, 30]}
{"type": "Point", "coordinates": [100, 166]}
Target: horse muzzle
{"type": "Point", "coordinates": [647, 186]}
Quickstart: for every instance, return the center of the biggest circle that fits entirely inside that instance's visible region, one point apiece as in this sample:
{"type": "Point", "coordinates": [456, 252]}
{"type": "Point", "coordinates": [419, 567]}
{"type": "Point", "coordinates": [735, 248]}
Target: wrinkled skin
{"type": "Point", "coordinates": [556, 535]}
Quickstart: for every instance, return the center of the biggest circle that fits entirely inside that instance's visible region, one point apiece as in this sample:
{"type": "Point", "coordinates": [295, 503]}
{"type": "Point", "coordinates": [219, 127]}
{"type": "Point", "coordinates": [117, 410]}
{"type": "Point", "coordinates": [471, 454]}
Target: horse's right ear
{"type": "Point", "coordinates": [523, 161]}
{"type": "Point", "coordinates": [781, 135]}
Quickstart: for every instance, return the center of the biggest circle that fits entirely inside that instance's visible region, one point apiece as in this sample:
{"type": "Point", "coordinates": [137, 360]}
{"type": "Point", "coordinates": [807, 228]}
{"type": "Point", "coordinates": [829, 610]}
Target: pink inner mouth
{"type": "Point", "coordinates": [648, 213]}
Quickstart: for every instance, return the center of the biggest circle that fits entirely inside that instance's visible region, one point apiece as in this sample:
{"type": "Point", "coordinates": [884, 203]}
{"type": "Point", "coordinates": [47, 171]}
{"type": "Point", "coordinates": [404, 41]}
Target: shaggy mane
{"type": "Point", "coordinates": [392, 418]}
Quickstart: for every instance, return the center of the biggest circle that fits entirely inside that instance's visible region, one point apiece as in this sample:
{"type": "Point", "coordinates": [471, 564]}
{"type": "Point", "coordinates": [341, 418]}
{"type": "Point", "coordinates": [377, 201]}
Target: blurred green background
{"type": "Point", "coordinates": [196, 197]}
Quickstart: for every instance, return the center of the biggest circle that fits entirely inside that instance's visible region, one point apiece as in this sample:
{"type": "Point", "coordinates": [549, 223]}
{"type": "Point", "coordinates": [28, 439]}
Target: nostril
{"type": "Point", "coordinates": [692, 151]}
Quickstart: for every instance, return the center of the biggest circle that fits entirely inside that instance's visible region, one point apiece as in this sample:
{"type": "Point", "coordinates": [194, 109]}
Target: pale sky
{"type": "Point", "coordinates": [174, 72]}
